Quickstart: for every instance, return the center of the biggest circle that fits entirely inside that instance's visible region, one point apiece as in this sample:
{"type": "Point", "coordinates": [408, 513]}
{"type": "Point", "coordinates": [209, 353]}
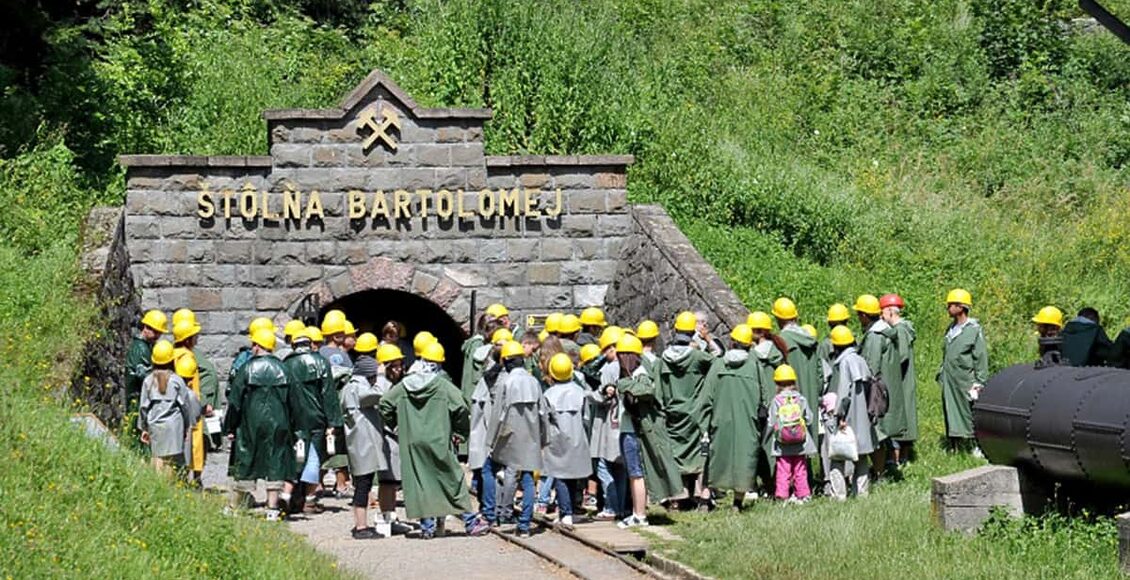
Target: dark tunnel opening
{"type": "Point", "coordinates": [369, 310]}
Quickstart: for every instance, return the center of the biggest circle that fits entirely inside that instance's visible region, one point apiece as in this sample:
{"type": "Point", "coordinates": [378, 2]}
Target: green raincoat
{"type": "Point", "coordinates": [876, 349]}
{"type": "Point", "coordinates": [680, 372]}
{"type": "Point", "coordinates": [644, 417]}
{"type": "Point", "coordinates": [765, 358]}
{"type": "Point", "coordinates": [139, 361]}
{"type": "Point", "coordinates": [805, 360]}
{"type": "Point", "coordinates": [259, 413]}
{"type": "Point", "coordinates": [209, 382]}
{"type": "Point", "coordinates": [731, 397]}
{"type": "Point", "coordinates": [901, 421]}
{"type": "Point", "coordinates": [473, 365]}
{"type": "Point", "coordinates": [312, 383]}
{"type": "Point", "coordinates": [427, 410]}
{"type": "Point", "coordinates": [965, 362]}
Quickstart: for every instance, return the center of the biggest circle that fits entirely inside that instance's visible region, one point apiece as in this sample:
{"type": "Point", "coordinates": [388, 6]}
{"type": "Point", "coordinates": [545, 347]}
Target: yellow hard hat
{"type": "Point", "coordinates": [842, 336]}
{"type": "Point", "coordinates": [544, 334]}
{"type": "Point", "coordinates": [512, 348]}
{"type": "Point", "coordinates": [685, 322]}
{"type": "Point", "coordinates": [867, 304]}
{"type": "Point", "coordinates": [1049, 315]}
{"type": "Point", "coordinates": [186, 365]}
{"type": "Point", "coordinates": [501, 335]}
{"type": "Point", "coordinates": [366, 343]}
{"type": "Point", "coordinates": [809, 329]}
{"type": "Point", "coordinates": [162, 352]}
{"type": "Point", "coordinates": [156, 320]}
{"type": "Point", "coordinates": [422, 340]}
{"type": "Point", "coordinates": [838, 313]}
{"type": "Point", "coordinates": [314, 334]}
{"type": "Point", "coordinates": [593, 316]}
{"type": "Point", "coordinates": [553, 322]}
{"type": "Point", "coordinates": [589, 352]}
{"type": "Point", "coordinates": [183, 314]}
{"type": "Point", "coordinates": [647, 330]}
{"type": "Point", "coordinates": [743, 334]}
{"type": "Point", "coordinates": [569, 324]}
{"type": "Point", "coordinates": [260, 323]}
{"type": "Point", "coordinates": [292, 328]}
{"type": "Point", "coordinates": [387, 353]}
{"type": "Point", "coordinates": [433, 352]}
{"type": "Point", "coordinates": [784, 374]}
{"type": "Point", "coordinates": [629, 344]}
{"type": "Point", "coordinates": [610, 335]}
{"type": "Point", "coordinates": [185, 329]}
{"type": "Point", "coordinates": [264, 338]}
{"type": "Point", "coordinates": [758, 320]}
{"type": "Point", "coordinates": [333, 322]}
{"type": "Point", "coordinates": [960, 296]}
{"type": "Point", "coordinates": [784, 309]}
{"type": "Point", "coordinates": [349, 329]}
{"type": "Point", "coordinates": [561, 367]}
{"type": "Point", "coordinates": [497, 310]}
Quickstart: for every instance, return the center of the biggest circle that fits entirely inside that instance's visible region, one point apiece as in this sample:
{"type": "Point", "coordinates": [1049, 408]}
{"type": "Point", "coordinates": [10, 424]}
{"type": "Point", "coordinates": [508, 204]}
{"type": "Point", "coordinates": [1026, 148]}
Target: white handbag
{"type": "Point", "coordinates": [300, 452]}
{"type": "Point", "coordinates": [842, 445]}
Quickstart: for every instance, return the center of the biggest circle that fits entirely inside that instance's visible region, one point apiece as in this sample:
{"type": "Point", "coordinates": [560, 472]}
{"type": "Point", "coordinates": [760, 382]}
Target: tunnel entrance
{"type": "Point", "coordinates": [369, 310]}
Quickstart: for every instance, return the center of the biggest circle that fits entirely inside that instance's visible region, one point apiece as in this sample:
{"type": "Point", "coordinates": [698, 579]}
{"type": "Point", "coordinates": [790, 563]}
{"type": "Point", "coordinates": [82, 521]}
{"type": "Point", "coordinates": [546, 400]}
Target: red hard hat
{"type": "Point", "coordinates": [891, 300]}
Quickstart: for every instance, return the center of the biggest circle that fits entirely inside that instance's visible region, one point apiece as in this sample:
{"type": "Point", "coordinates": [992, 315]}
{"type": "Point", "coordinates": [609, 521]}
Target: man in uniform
{"type": "Point", "coordinates": [965, 368]}
{"type": "Point", "coordinates": [138, 358]}
{"type": "Point", "coordinates": [258, 422]}
{"type": "Point", "coordinates": [900, 424]}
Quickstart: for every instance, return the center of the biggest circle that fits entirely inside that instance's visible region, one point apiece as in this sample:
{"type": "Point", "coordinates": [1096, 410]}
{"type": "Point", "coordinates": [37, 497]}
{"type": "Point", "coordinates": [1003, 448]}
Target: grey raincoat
{"type": "Point", "coordinates": [605, 441]}
{"type": "Point", "coordinates": [482, 419]}
{"type": "Point", "coordinates": [849, 381]}
{"type": "Point", "coordinates": [372, 448]}
{"type": "Point", "coordinates": [167, 416]}
{"type": "Point", "coordinates": [516, 437]}
{"type": "Point", "coordinates": [565, 449]}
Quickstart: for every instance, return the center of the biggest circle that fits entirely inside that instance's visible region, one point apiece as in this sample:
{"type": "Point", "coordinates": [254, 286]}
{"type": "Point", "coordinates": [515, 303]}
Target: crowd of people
{"type": "Point", "coordinates": [579, 417]}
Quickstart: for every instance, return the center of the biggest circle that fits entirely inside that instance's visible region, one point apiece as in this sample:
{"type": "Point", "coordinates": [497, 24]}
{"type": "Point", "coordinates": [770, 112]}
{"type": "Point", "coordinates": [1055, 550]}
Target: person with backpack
{"type": "Point", "coordinates": [789, 420]}
{"type": "Point", "coordinates": [731, 400]}
{"type": "Point", "coordinates": [900, 423]}
{"type": "Point", "coordinates": [875, 348]}
{"type": "Point", "coordinates": [847, 414]}
{"type": "Point", "coordinates": [802, 356]}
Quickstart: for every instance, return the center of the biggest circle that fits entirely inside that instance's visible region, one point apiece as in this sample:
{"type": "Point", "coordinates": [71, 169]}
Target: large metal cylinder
{"type": "Point", "coordinates": [1070, 424]}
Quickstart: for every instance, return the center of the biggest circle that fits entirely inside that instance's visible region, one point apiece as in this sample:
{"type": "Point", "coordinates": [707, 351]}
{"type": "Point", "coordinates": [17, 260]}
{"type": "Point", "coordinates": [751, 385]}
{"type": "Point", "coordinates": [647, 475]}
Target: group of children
{"type": "Point", "coordinates": [594, 414]}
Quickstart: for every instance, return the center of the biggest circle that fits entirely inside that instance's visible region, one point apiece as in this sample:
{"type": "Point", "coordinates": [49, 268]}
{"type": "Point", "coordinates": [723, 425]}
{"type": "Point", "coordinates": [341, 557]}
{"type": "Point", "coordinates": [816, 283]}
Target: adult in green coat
{"type": "Point", "coordinates": [428, 413]}
{"type": "Point", "coordinates": [679, 374]}
{"type": "Point", "coordinates": [312, 385]}
{"type": "Point", "coordinates": [767, 354]}
{"type": "Point", "coordinates": [802, 355]}
{"type": "Point", "coordinates": [901, 421]}
{"type": "Point", "coordinates": [261, 408]}
{"type": "Point", "coordinates": [731, 399]}
{"type": "Point", "coordinates": [644, 442]}
{"type": "Point", "coordinates": [965, 368]}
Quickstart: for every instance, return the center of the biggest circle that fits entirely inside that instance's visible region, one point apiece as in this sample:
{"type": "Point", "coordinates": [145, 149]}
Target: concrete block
{"type": "Point", "coordinates": [963, 501]}
{"type": "Point", "coordinates": [1123, 522]}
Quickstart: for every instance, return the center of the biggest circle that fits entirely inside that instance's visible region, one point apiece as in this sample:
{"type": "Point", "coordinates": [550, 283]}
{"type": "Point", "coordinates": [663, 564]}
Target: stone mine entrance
{"type": "Point", "coordinates": [369, 310]}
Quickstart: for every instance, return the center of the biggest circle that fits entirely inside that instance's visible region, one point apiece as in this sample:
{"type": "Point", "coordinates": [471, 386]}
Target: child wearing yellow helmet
{"type": "Point", "coordinates": [566, 449]}
{"type": "Point", "coordinates": [167, 410]}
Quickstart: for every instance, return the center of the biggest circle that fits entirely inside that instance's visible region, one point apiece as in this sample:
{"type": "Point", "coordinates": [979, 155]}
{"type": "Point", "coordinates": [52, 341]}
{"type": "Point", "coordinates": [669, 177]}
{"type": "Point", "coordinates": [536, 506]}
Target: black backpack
{"type": "Point", "coordinates": [878, 398]}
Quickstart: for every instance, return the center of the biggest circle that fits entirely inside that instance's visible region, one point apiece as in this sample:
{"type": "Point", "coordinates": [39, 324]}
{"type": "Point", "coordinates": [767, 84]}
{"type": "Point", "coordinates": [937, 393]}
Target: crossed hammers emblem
{"type": "Point", "coordinates": [368, 118]}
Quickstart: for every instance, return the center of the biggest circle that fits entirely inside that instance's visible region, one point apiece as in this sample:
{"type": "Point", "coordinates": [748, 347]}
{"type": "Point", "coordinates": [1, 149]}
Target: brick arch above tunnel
{"type": "Point", "coordinates": [382, 273]}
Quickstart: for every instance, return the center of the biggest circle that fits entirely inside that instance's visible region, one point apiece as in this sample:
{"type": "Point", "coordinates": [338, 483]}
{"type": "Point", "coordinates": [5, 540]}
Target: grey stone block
{"type": "Point", "coordinates": [203, 299]}
{"type": "Point", "coordinates": [963, 501]}
{"type": "Point", "coordinates": [450, 178]}
{"type": "Point", "coordinates": [290, 155]}
{"type": "Point", "coordinates": [616, 225]}
{"type": "Point", "coordinates": [468, 275]}
{"type": "Point", "coordinates": [544, 273]}
{"type": "Point", "coordinates": [433, 155]}
{"type": "Point", "coordinates": [491, 251]}
{"type": "Point", "coordinates": [329, 155]}
{"type": "Point", "coordinates": [574, 180]}
{"type": "Point", "coordinates": [523, 249]}
{"type": "Point", "coordinates": [233, 251]}
{"type": "Point", "coordinates": [142, 227]}
{"type": "Point", "coordinates": [1123, 522]}
{"type": "Point", "coordinates": [321, 252]}
{"type": "Point", "coordinates": [587, 201]}
{"type": "Point", "coordinates": [588, 249]}
{"type": "Point", "coordinates": [578, 226]}
{"type": "Point", "coordinates": [508, 274]}
{"type": "Point", "coordinates": [468, 154]}
{"type": "Point", "coordinates": [589, 295]}
{"type": "Point", "coordinates": [273, 299]}
{"type": "Point", "coordinates": [556, 249]}
{"type": "Point", "coordinates": [286, 253]}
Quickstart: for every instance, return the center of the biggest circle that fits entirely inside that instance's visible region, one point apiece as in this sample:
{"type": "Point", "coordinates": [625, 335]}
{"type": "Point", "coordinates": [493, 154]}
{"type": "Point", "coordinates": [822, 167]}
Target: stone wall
{"type": "Point", "coordinates": [105, 263]}
{"type": "Point", "coordinates": [660, 274]}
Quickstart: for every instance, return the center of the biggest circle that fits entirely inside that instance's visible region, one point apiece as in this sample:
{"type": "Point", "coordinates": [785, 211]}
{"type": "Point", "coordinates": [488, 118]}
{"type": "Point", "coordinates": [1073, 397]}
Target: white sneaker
{"type": "Point", "coordinates": [566, 522]}
{"type": "Point", "coordinates": [633, 521]}
{"type": "Point", "coordinates": [978, 453]}
{"type": "Point", "coordinates": [273, 515]}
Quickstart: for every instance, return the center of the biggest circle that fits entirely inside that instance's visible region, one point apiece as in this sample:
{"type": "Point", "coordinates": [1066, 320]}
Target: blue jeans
{"type": "Point", "coordinates": [564, 488]}
{"type": "Point", "coordinates": [630, 449]}
{"type": "Point", "coordinates": [614, 484]}
{"type": "Point", "coordinates": [543, 491]}
{"type": "Point", "coordinates": [490, 491]}
{"type": "Point", "coordinates": [428, 525]}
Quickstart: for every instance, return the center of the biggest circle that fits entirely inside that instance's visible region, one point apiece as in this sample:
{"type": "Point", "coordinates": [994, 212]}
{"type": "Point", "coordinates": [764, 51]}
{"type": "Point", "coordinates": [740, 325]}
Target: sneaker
{"type": "Point", "coordinates": [590, 501]}
{"type": "Point", "coordinates": [605, 516]}
{"type": "Point", "coordinates": [400, 528]}
{"type": "Point", "coordinates": [312, 507]}
{"type": "Point", "coordinates": [978, 453]}
{"type": "Point", "coordinates": [273, 515]}
{"type": "Point", "coordinates": [479, 528]}
{"type": "Point", "coordinates": [522, 534]}
{"type": "Point", "coordinates": [566, 523]}
{"type": "Point", "coordinates": [427, 535]}
{"type": "Point", "coordinates": [540, 508]}
{"type": "Point", "coordinates": [632, 521]}
{"type": "Point", "coordinates": [365, 534]}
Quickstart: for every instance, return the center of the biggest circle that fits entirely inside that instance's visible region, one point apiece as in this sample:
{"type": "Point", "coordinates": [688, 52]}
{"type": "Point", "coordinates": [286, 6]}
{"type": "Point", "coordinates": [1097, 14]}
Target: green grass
{"type": "Point", "coordinates": [69, 507]}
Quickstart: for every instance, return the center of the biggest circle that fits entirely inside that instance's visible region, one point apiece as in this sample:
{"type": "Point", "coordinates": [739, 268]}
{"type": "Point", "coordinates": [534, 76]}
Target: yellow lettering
{"type": "Point", "coordinates": [380, 205]}
{"type": "Point", "coordinates": [314, 206]}
{"type": "Point", "coordinates": [266, 208]}
{"type": "Point", "coordinates": [402, 202]}
{"type": "Point", "coordinates": [462, 214]}
{"type": "Point", "coordinates": [248, 202]}
{"type": "Point", "coordinates": [227, 193]}
{"type": "Point", "coordinates": [532, 199]}
{"type": "Point", "coordinates": [206, 208]}
{"type": "Point", "coordinates": [444, 204]}
{"type": "Point", "coordinates": [423, 195]}
{"type": "Point", "coordinates": [486, 203]}
{"type": "Point", "coordinates": [356, 204]}
{"type": "Point", "coordinates": [556, 211]}
{"type": "Point", "coordinates": [508, 199]}
{"type": "Point", "coordinates": [292, 204]}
